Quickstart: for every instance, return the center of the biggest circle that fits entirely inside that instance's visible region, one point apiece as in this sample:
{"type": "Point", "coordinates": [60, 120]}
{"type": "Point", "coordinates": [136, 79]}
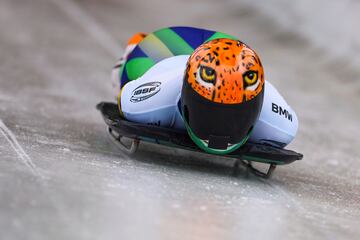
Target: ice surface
{"type": "Point", "coordinates": [55, 68]}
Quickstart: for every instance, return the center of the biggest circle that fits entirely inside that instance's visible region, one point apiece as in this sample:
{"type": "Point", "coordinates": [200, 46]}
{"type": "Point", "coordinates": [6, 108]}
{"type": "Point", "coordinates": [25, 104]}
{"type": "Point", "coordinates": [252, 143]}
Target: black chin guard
{"type": "Point", "coordinates": [220, 124]}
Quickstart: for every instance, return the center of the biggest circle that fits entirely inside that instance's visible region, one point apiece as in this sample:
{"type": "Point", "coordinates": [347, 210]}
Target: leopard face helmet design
{"type": "Point", "coordinates": [222, 94]}
{"type": "Point", "coordinates": [225, 71]}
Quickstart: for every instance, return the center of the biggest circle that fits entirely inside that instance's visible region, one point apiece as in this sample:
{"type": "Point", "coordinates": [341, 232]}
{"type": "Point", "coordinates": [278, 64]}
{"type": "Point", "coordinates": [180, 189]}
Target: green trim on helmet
{"type": "Point", "coordinates": [203, 145]}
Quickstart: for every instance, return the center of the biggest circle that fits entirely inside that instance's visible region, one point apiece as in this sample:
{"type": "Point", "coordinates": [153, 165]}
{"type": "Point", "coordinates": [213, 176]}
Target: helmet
{"type": "Point", "coordinates": [222, 95]}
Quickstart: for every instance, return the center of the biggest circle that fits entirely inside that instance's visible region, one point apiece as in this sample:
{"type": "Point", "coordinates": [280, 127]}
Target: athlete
{"type": "Point", "coordinates": [207, 83]}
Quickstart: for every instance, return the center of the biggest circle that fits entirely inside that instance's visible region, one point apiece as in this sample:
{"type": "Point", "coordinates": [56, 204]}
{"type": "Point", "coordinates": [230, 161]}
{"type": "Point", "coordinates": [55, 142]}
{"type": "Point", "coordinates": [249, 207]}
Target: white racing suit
{"type": "Point", "coordinates": [154, 99]}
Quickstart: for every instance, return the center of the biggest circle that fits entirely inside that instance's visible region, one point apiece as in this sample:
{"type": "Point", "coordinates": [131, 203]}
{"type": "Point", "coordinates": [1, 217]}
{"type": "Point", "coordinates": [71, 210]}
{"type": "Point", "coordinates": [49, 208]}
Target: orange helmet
{"type": "Point", "coordinates": [222, 94]}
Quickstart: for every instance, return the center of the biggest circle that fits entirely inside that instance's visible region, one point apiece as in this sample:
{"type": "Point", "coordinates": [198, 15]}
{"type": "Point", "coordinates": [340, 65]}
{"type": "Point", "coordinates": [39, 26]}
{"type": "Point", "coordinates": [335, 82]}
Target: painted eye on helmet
{"type": "Point", "coordinates": [250, 78]}
{"type": "Point", "coordinates": [207, 74]}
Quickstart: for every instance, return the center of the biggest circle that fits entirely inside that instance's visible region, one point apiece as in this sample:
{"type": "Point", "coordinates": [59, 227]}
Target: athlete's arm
{"type": "Point", "coordinates": [152, 98]}
{"type": "Point", "coordinates": [278, 123]}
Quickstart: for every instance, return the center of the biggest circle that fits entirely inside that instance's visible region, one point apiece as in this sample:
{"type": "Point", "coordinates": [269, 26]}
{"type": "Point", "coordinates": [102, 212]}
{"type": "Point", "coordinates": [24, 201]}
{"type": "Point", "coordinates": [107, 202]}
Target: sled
{"type": "Point", "coordinates": [118, 128]}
